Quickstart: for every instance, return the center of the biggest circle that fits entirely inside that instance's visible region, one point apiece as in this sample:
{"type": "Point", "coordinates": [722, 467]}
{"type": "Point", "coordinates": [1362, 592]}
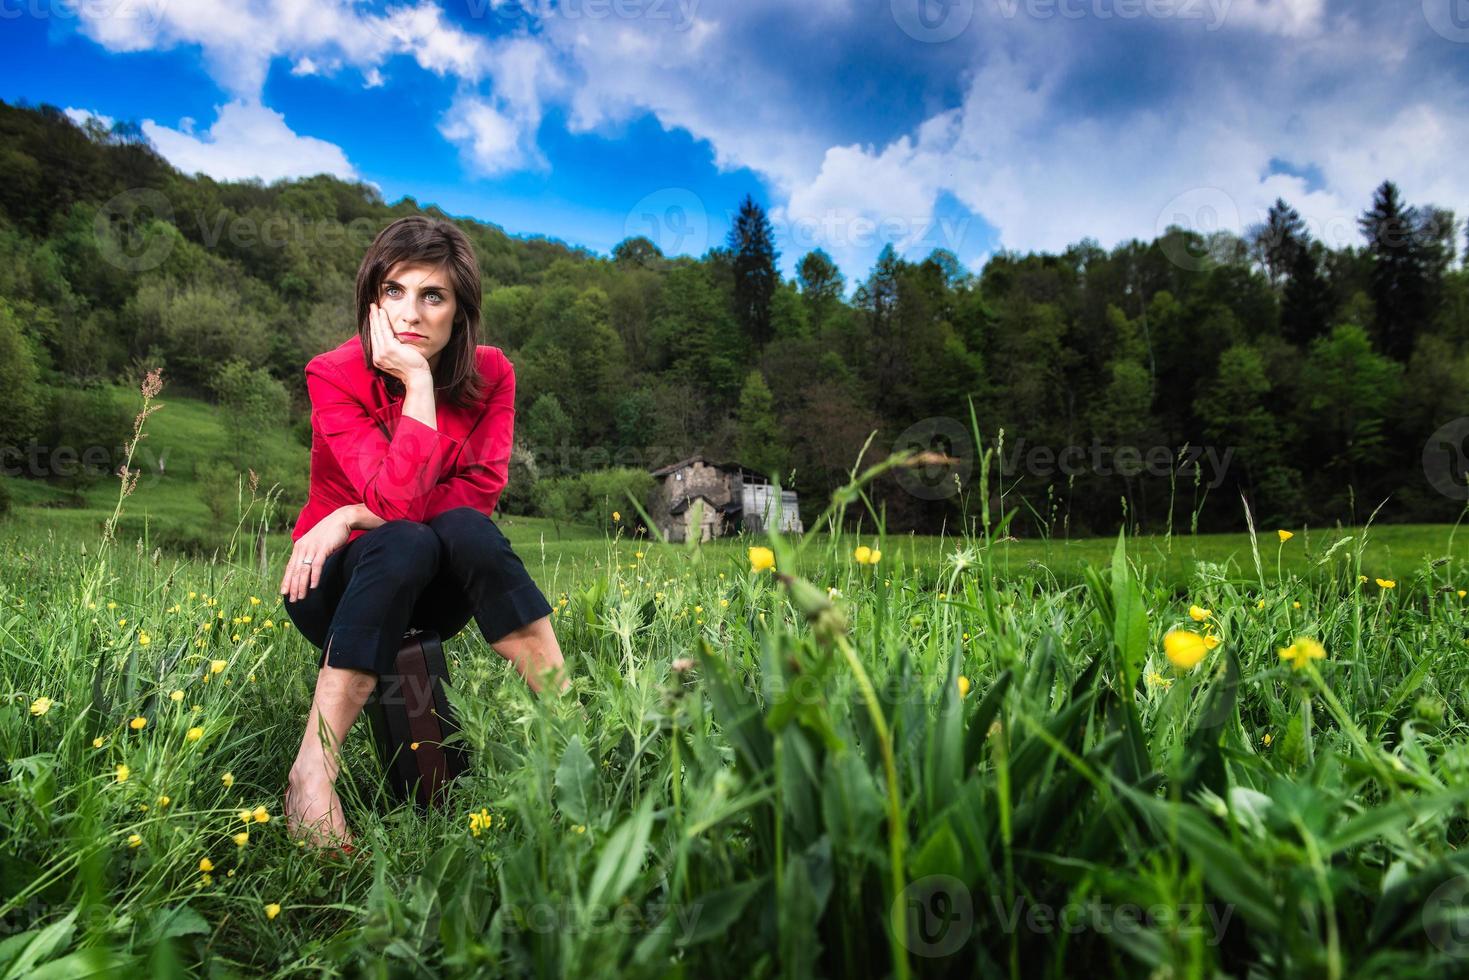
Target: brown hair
{"type": "Point", "coordinates": [433, 242]}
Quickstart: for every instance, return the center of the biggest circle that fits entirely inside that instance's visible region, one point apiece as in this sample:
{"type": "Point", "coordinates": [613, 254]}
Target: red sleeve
{"type": "Point", "coordinates": [484, 463]}
{"type": "Point", "coordinates": [393, 478]}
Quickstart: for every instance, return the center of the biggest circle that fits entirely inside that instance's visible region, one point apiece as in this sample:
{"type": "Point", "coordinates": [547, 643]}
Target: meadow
{"type": "Point", "coordinates": [836, 754]}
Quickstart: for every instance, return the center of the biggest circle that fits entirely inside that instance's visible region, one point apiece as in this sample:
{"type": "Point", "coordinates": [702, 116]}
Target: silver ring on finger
{"type": "Point", "coordinates": [305, 561]}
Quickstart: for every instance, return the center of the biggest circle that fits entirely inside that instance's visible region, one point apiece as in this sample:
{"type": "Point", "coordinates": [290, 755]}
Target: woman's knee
{"type": "Point", "coordinates": [467, 533]}
{"type": "Point", "coordinates": [410, 544]}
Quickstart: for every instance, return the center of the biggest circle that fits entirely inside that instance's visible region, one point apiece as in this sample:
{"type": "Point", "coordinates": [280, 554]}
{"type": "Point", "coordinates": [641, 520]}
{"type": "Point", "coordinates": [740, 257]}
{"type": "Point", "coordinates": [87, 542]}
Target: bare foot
{"type": "Point", "coordinates": [314, 811]}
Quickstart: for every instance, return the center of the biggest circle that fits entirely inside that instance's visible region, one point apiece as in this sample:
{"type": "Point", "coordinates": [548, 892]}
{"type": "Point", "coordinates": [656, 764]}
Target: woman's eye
{"type": "Point", "coordinates": [389, 290]}
{"type": "Point", "coordinates": [436, 298]}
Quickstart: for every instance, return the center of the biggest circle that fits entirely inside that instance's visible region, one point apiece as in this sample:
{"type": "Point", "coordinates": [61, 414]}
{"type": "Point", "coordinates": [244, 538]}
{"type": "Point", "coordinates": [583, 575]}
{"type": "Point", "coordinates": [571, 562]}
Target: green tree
{"type": "Point", "coordinates": [1349, 392]}
{"type": "Point", "coordinates": [822, 286]}
{"type": "Point", "coordinates": [758, 443]}
{"type": "Point", "coordinates": [19, 379]}
{"type": "Point", "coordinates": [752, 243]}
{"type": "Point", "coordinates": [251, 404]}
{"type": "Point", "coordinates": [83, 430]}
{"type": "Point", "coordinates": [548, 430]}
{"type": "Point", "coordinates": [1405, 269]}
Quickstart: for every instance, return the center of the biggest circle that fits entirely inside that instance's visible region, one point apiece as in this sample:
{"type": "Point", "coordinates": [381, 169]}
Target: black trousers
{"type": "Point", "coordinates": [407, 574]}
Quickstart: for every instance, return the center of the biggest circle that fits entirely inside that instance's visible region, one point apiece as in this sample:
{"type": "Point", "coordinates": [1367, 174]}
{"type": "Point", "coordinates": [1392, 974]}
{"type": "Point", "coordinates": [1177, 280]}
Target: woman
{"type": "Point", "coordinates": [411, 433]}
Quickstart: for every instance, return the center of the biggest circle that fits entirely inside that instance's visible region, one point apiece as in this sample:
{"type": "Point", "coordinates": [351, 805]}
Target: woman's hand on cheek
{"type": "Point", "coordinates": [388, 352]}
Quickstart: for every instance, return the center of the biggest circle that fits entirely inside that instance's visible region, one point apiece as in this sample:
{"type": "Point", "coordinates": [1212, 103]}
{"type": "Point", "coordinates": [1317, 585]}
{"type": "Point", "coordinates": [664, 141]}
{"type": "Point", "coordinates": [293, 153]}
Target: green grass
{"type": "Point", "coordinates": [967, 760]}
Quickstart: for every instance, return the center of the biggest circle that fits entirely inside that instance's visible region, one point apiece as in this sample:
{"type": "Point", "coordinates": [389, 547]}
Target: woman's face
{"type": "Point", "coordinates": [419, 301]}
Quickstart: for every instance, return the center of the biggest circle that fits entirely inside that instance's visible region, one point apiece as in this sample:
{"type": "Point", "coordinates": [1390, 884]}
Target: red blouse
{"type": "Point", "coordinates": [365, 451]}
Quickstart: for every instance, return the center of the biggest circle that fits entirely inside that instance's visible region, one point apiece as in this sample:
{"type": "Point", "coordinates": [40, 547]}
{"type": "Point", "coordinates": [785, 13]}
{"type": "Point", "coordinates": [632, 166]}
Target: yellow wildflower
{"type": "Point", "coordinates": [1387, 583]}
{"type": "Point", "coordinates": [254, 601]}
{"type": "Point", "coordinates": [1268, 739]}
{"type": "Point", "coordinates": [97, 742]}
{"type": "Point", "coordinates": [244, 816]}
{"type": "Point", "coordinates": [164, 801]}
{"type": "Point", "coordinates": [272, 910]}
{"type": "Point", "coordinates": [761, 558]}
{"type": "Point", "coordinates": [228, 779]}
{"type": "Point", "coordinates": [1184, 648]}
{"type": "Point", "coordinates": [241, 839]}
{"type": "Point", "coordinates": [134, 840]}
{"type": "Point", "coordinates": [41, 705]}
{"type": "Point", "coordinates": [176, 696]}
{"type": "Point", "coordinates": [112, 605]}
{"type": "Point", "coordinates": [216, 666]}
{"type": "Point", "coordinates": [137, 723]}
{"type": "Point", "coordinates": [1260, 604]}
{"type": "Point", "coordinates": [1285, 536]}
{"type": "Point", "coordinates": [616, 516]}
{"type": "Point", "coordinates": [205, 864]}
{"type": "Point", "coordinates": [1302, 652]}
{"type": "Point", "coordinates": [480, 821]}
{"type": "Point", "coordinates": [1211, 641]}
{"type": "Point", "coordinates": [261, 814]}
{"type": "Point", "coordinates": [1198, 613]}
{"type": "Point", "coordinates": [144, 639]}
{"type": "Point", "coordinates": [963, 686]}
{"type": "Point", "coordinates": [194, 734]}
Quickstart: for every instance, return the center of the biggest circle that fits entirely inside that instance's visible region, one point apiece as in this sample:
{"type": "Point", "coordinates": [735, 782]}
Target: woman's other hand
{"type": "Point", "coordinates": [390, 354]}
{"type": "Point", "coordinates": [326, 536]}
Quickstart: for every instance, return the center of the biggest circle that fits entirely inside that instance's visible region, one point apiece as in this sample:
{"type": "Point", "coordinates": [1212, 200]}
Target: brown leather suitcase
{"type": "Point", "coordinates": [408, 706]}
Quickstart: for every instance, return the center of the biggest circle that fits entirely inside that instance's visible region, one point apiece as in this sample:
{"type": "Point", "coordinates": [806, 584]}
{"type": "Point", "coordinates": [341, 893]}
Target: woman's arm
{"type": "Point", "coordinates": [393, 476]}
{"type": "Point", "coordinates": [359, 518]}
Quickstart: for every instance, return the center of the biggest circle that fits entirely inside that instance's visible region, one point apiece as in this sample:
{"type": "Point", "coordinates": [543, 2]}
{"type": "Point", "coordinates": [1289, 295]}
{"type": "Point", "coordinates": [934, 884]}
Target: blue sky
{"type": "Point", "coordinates": [973, 125]}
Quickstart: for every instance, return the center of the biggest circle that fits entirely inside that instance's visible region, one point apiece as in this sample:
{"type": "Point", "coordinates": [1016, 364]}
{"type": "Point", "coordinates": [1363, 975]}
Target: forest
{"type": "Point", "coordinates": [1155, 383]}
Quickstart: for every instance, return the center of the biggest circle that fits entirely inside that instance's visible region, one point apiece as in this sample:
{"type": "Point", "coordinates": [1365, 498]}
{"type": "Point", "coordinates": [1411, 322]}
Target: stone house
{"type": "Point", "coordinates": [733, 499]}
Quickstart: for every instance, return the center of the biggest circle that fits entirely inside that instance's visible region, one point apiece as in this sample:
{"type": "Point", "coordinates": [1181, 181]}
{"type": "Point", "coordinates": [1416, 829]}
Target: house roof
{"type": "Point", "coordinates": [696, 458]}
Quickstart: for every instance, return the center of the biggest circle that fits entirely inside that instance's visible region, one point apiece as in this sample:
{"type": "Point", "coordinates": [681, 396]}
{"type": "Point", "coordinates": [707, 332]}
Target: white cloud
{"type": "Point", "coordinates": [492, 140]}
{"type": "Point", "coordinates": [80, 116]}
{"type": "Point", "coordinates": [1001, 132]}
{"type": "Point", "coordinates": [249, 140]}
{"type": "Point", "coordinates": [1291, 18]}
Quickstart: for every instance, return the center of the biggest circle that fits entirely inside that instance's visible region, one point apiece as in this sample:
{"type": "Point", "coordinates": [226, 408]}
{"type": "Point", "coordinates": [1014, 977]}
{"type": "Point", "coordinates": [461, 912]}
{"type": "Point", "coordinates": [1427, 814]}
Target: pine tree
{"type": "Point", "coordinates": [1278, 242]}
{"type": "Point", "coordinates": [1402, 264]}
{"type": "Point", "coordinates": [1305, 310]}
{"type": "Point", "coordinates": [752, 242]}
